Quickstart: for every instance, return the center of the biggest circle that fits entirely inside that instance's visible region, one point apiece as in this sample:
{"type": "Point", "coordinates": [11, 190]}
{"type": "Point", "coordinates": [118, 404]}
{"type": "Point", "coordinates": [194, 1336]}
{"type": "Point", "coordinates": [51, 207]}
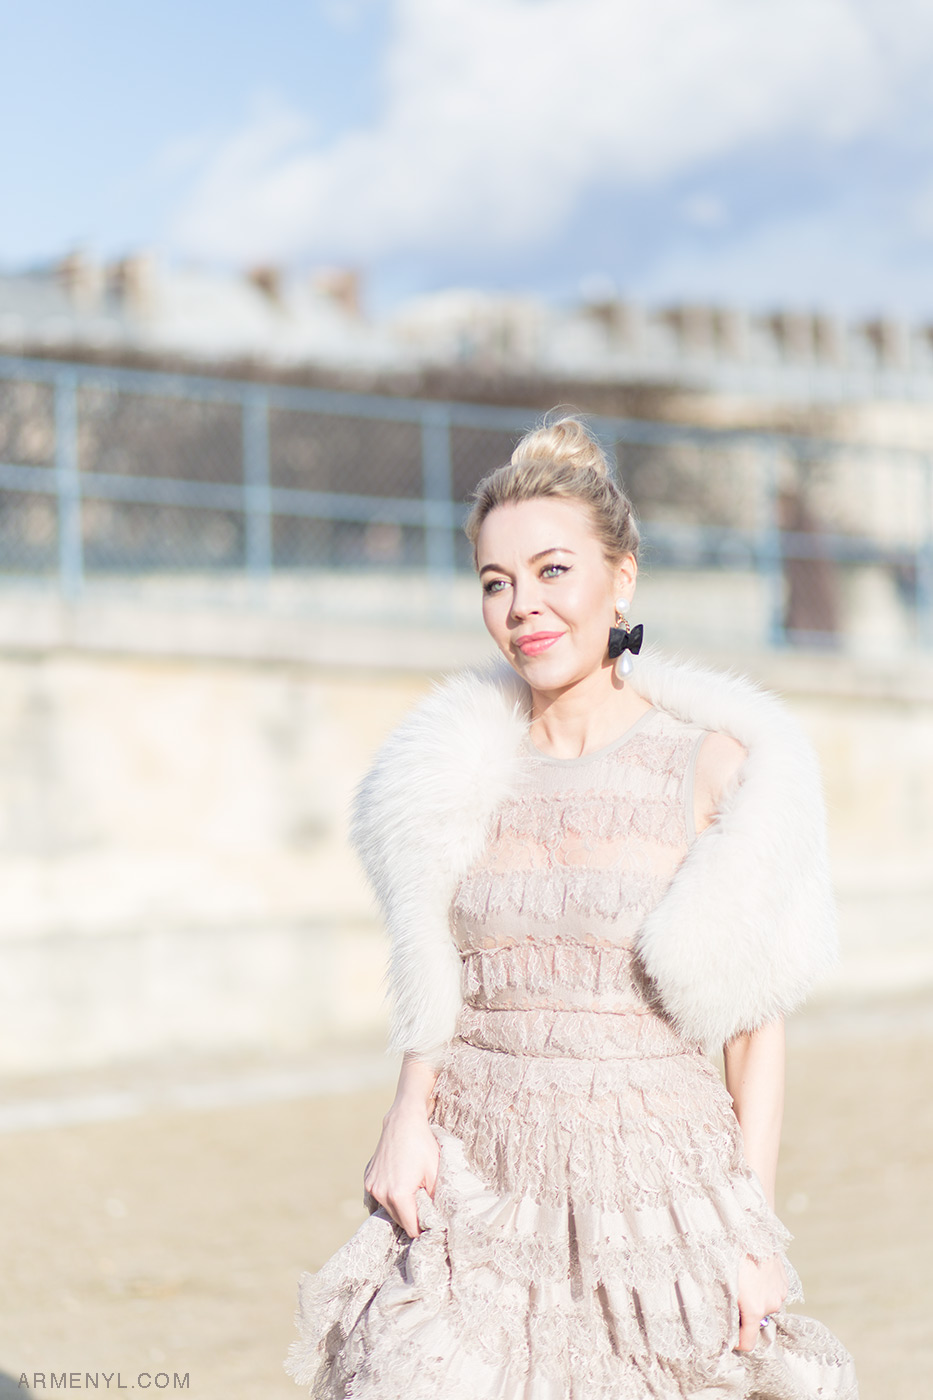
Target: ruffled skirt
{"type": "Point", "coordinates": [583, 1243]}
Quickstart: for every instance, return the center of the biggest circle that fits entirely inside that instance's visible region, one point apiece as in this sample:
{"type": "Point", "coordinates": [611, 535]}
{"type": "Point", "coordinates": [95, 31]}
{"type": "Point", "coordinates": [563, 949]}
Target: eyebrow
{"type": "Point", "coordinates": [552, 549]}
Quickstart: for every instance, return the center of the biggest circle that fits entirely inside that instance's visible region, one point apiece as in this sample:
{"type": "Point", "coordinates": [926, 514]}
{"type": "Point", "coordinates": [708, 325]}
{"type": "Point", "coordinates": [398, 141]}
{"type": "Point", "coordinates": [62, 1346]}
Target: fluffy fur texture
{"type": "Point", "coordinates": [748, 923]}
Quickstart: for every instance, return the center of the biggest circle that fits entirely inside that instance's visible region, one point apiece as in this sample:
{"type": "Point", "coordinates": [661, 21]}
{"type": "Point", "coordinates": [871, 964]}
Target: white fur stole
{"type": "Point", "coordinates": [748, 923]}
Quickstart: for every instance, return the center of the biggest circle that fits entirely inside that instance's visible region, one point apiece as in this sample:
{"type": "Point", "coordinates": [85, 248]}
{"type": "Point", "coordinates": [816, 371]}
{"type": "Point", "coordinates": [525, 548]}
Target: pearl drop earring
{"type": "Point", "coordinates": [622, 641]}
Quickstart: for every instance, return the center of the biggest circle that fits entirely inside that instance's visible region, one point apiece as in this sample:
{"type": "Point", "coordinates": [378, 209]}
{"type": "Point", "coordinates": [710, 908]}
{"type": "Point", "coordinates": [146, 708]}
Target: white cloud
{"type": "Point", "coordinates": [500, 114]}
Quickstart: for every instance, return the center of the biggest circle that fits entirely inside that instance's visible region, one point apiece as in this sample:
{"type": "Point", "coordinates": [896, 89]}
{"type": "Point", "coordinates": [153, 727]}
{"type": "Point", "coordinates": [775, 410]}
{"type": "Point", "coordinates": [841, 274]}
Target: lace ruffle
{"type": "Point", "coordinates": [603, 982]}
{"type": "Point", "coordinates": [476, 1308]}
{"type": "Point", "coordinates": [562, 1034]}
{"type": "Point", "coordinates": [548, 819]}
{"type": "Point", "coordinates": [597, 977]}
{"type": "Point", "coordinates": [649, 1132]}
{"type": "Point", "coordinates": [549, 895]}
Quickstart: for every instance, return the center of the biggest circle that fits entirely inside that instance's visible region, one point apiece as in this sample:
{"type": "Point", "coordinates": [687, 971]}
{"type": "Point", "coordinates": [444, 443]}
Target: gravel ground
{"type": "Point", "coordinates": [169, 1239]}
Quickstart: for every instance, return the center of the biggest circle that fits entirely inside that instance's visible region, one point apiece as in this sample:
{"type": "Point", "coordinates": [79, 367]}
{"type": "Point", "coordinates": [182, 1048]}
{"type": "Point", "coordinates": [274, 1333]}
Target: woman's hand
{"type": "Point", "coordinates": [405, 1159]}
{"type": "Point", "coordinates": [762, 1290]}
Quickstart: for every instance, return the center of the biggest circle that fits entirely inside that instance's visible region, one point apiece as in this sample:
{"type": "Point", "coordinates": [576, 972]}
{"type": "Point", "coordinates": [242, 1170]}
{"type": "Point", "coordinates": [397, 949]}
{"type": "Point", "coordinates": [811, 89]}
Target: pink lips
{"type": "Point", "coordinates": [538, 642]}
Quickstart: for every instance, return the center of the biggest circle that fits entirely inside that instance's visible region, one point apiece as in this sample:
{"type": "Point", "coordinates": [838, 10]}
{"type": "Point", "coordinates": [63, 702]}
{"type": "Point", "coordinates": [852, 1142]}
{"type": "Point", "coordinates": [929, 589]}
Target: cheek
{"type": "Point", "coordinates": [495, 610]}
{"type": "Point", "coordinates": [582, 606]}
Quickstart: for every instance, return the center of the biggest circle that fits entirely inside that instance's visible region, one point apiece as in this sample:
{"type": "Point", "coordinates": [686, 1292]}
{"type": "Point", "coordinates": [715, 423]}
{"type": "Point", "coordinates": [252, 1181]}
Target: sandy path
{"type": "Point", "coordinates": [172, 1242]}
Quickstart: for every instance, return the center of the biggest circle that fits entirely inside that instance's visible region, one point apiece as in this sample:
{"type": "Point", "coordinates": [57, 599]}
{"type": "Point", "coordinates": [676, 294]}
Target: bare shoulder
{"type": "Point", "coordinates": [718, 762]}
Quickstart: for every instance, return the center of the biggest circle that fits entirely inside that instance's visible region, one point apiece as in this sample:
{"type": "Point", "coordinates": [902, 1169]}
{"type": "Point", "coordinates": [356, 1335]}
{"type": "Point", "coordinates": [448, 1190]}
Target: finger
{"type": "Point", "coordinates": [408, 1217]}
{"type": "Point", "coordinates": [748, 1334]}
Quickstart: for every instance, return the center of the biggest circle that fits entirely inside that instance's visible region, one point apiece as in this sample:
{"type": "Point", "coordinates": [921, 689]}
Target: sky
{"type": "Point", "coordinates": [747, 152]}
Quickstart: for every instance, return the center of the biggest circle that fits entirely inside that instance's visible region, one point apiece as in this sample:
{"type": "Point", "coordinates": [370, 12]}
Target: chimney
{"type": "Point", "coordinates": [732, 329]}
{"type": "Point", "coordinates": [693, 327]}
{"type": "Point", "coordinates": [890, 342]}
{"type": "Point", "coordinates": [133, 280]}
{"type": "Point", "coordinates": [341, 285]}
{"type": "Point", "coordinates": [267, 278]}
{"type": "Point", "coordinates": [793, 333]}
{"type": "Point", "coordinates": [82, 279]}
{"type": "Point", "coordinates": [830, 334]}
{"type": "Point", "coordinates": [624, 323]}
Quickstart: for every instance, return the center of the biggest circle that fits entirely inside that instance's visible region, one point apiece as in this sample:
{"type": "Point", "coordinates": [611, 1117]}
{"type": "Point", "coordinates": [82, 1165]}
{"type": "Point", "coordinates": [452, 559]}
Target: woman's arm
{"type": "Point", "coordinates": [719, 760]}
{"type": "Point", "coordinates": [407, 1152]}
{"type": "Point", "coordinates": [754, 1065]}
{"type": "Point", "coordinates": [415, 1084]}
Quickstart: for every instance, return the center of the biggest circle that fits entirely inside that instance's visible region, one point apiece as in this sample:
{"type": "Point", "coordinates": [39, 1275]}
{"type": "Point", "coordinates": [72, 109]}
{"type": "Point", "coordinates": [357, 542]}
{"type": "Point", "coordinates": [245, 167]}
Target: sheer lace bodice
{"type": "Point", "coordinates": [546, 918]}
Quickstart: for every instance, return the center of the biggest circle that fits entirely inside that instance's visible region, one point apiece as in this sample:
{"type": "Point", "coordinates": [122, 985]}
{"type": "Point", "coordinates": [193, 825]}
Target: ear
{"type": "Point", "coordinates": [625, 575]}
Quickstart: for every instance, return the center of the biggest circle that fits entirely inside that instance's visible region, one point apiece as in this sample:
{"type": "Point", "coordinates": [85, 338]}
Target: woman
{"type": "Point", "coordinates": [593, 872]}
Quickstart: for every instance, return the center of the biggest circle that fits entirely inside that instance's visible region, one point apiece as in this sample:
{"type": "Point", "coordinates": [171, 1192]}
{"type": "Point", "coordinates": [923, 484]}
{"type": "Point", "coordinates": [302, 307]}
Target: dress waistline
{"type": "Point", "coordinates": [571, 1034]}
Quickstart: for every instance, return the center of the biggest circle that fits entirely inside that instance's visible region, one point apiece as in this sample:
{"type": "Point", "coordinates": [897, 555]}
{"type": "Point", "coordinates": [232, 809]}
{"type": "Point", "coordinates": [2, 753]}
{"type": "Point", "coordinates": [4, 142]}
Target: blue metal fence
{"type": "Point", "coordinates": [106, 469]}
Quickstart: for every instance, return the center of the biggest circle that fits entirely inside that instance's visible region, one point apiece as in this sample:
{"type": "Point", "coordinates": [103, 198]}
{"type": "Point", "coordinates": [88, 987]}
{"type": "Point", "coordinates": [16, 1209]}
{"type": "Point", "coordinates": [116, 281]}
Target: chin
{"type": "Point", "coordinates": [543, 674]}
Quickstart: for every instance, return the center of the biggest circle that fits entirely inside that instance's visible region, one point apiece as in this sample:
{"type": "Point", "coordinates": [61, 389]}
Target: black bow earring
{"type": "Point", "coordinates": [622, 641]}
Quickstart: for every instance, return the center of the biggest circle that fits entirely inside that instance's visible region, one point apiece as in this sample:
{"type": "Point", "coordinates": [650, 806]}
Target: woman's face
{"type": "Point", "coordinates": [542, 571]}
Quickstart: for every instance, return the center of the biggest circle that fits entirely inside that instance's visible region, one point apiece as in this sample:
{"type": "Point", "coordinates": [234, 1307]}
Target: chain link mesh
{"type": "Point", "coordinates": [244, 479]}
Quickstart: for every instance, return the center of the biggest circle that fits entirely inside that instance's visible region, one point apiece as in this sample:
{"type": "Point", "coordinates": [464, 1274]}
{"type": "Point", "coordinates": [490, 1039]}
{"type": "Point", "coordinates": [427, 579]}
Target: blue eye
{"type": "Point", "coordinates": [491, 586]}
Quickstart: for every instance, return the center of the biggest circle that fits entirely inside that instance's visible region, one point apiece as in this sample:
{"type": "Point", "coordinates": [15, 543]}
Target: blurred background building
{"type": "Point", "coordinates": [146, 305]}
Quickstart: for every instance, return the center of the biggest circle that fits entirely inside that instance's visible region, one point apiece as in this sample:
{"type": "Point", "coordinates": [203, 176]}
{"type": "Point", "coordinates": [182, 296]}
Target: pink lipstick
{"type": "Point", "coordinates": [537, 642]}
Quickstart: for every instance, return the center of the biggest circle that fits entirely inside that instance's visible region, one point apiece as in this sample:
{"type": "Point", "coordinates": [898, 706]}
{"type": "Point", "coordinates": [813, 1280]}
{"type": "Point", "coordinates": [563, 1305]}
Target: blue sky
{"type": "Point", "coordinates": [748, 151]}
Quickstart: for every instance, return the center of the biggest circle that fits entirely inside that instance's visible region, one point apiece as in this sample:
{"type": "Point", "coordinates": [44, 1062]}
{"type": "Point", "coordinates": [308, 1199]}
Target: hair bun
{"type": "Point", "coordinates": [561, 460]}
{"type": "Point", "coordinates": [566, 442]}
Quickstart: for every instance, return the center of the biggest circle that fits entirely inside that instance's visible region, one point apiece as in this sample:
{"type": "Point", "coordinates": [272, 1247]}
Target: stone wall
{"type": "Point", "coordinates": [173, 801]}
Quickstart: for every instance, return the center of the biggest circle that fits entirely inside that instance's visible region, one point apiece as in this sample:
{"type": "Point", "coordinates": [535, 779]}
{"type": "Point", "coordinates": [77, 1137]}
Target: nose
{"type": "Point", "coordinates": [524, 600]}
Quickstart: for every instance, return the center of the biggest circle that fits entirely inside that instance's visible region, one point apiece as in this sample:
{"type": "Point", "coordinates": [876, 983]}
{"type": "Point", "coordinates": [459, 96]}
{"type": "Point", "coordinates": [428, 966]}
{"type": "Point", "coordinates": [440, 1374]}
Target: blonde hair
{"type": "Point", "coordinates": [563, 459]}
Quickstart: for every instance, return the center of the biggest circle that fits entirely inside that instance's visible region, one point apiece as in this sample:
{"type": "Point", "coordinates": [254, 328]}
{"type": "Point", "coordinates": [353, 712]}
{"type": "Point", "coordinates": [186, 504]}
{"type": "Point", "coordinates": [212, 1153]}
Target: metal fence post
{"type": "Point", "coordinates": [257, 505]}
{"type": "Point", "coordinates": [770, 554]}
{"type": "Point", "coordinates": [68, 486]}
{"type": "Point", "coordinates": [925, 564]}
{"type": "Point", "coordinates": [437, 488]}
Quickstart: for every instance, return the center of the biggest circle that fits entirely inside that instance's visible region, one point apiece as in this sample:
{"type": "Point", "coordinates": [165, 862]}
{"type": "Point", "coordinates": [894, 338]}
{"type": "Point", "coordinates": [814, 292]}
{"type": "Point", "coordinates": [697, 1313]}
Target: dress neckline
{"type": "Point", "coordinates": [593, 753]}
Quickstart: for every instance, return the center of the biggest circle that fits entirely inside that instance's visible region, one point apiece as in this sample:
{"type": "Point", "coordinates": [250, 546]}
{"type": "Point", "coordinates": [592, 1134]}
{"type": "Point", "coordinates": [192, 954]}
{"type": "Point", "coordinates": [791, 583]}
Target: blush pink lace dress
{"type": "Point", "coordinates": [593, 1200]}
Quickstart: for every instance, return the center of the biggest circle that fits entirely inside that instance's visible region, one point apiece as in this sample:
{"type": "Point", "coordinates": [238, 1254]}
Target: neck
{"type": "Point", "coordinates": [586, 715]}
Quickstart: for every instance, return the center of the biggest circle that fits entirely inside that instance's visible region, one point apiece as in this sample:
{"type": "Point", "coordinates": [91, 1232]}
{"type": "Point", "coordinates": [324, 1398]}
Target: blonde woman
{"type": "Point", "coordinates": [596, 867]}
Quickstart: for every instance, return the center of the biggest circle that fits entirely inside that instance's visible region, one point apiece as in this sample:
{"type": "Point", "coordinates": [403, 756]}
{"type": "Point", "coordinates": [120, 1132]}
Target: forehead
{"type": "Point", "coordinates": [523, 527]}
